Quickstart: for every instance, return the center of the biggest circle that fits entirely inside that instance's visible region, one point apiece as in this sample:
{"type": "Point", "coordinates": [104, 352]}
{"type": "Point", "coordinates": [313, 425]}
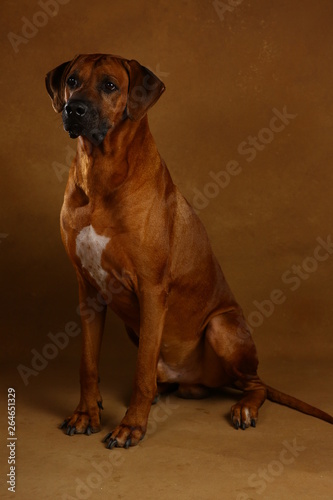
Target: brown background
{"type": "Point", "coordinates": [223, 79]}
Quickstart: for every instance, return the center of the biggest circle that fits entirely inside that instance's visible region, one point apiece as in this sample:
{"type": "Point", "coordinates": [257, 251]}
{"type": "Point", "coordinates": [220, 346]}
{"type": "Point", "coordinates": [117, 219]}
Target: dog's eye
{"type": "Point", "coordinates": [109, 87]}
{"type": "Point", "coordinates": [72, 82]}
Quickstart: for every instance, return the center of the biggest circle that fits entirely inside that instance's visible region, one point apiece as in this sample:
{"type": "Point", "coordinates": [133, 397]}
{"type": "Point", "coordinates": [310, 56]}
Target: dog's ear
{"type": "Point", "coordinates": [144, 89]}
{"type": "Point", "coordinates": [55, 87]}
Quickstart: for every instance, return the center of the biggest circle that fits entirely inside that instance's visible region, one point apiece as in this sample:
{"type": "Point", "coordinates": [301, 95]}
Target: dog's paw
{"type": "Point", "coordinates": [243, 416]}
{"type": "Point", "coordinates": [124, 436]}
{"type": "Point", "coordinates": [83, 421]}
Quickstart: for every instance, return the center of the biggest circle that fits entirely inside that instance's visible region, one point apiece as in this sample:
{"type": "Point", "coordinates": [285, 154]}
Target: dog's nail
{"type": "Point", "coordinates": [68, 431]}
{"type": "Point", "coordinates": [100, 405]}
{"type": "Point", "coordinates": [111, 444]}
{"type": "Point", "coordinates": [237, 425]}
{"type": "Point", "coordinates": [156, 399]}
{"type": "Point", "coordinates": [72, 431]}
{"type": "Point", "coordinates": [88, 430]}
{"type": "Point", "coordinates": [64, 424]}
{"type": "Point", "coordinates": [243, 426]}
{"type": "Point", "coordinates": [107, 437]}
{"type": "Point", "coordinates": [128, 443]}
{"type": "Point", "coordinates": [253, 422]}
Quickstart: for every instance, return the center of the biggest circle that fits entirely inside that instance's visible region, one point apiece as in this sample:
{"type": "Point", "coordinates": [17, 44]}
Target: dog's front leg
{"type": "Point", "coordinates": [134, 424]}
{"type": "Point", "coordinates": [87, 416]}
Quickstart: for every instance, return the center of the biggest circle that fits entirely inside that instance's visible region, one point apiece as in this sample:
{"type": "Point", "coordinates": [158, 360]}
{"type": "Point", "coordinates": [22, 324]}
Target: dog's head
{"type": "Point", "coordinates": [96, 92]}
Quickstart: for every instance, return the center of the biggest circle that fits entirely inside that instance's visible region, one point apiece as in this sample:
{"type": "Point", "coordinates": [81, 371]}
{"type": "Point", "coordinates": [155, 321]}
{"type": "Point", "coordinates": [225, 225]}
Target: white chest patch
{"type": "Point", "coordinates": [89, 248]}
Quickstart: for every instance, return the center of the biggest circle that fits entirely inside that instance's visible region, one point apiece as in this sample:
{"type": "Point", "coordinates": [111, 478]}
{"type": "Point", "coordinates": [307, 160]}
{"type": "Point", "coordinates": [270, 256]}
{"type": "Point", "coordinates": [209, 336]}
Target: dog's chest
{"type": "Point", "coordinates": [89, 247]}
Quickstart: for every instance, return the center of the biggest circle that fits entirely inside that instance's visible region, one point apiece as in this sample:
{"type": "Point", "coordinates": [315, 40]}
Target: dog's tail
{"type": "Point", "coordinates": [284, 399]}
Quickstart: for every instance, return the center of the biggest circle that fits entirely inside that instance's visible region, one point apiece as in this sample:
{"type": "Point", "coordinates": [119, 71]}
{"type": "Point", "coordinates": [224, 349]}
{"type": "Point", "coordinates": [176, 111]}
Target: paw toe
{"type": "Point", "coordinates": [243, 416]}
{"type": "Point", "coordinates": [82, 422]}
{"type": "Point", "coordinates": [123, 437]}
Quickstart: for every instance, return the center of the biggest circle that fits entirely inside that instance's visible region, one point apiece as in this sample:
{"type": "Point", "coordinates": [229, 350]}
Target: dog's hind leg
{"type": "Point", "coordinates": [230, 339]}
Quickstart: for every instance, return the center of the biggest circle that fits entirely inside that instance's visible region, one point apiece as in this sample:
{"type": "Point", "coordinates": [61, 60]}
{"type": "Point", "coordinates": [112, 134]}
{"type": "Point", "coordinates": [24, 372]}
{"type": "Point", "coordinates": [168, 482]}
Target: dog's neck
{"type": "Point", "coordinates": [101, 170]}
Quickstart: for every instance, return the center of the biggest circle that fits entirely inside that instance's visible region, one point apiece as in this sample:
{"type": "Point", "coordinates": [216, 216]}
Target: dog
{"type": "Point", "coordinates": [139, 248]}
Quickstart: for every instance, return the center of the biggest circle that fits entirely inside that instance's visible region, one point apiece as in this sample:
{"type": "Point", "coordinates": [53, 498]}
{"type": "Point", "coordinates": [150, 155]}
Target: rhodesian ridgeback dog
{"type": "Point", "coordinates": [138, 247]}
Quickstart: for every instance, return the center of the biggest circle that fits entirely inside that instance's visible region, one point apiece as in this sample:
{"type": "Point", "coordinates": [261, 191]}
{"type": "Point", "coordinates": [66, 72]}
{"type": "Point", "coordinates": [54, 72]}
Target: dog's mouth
{"type": "Point", "coordinates": [75, 130]}
{"type": "Point", "coordinates": [94, 135]}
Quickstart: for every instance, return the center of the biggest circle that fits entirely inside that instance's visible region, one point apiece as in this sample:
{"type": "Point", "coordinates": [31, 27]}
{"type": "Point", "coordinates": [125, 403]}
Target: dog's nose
{"type": "Point", "coordinates": [78, 108]}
